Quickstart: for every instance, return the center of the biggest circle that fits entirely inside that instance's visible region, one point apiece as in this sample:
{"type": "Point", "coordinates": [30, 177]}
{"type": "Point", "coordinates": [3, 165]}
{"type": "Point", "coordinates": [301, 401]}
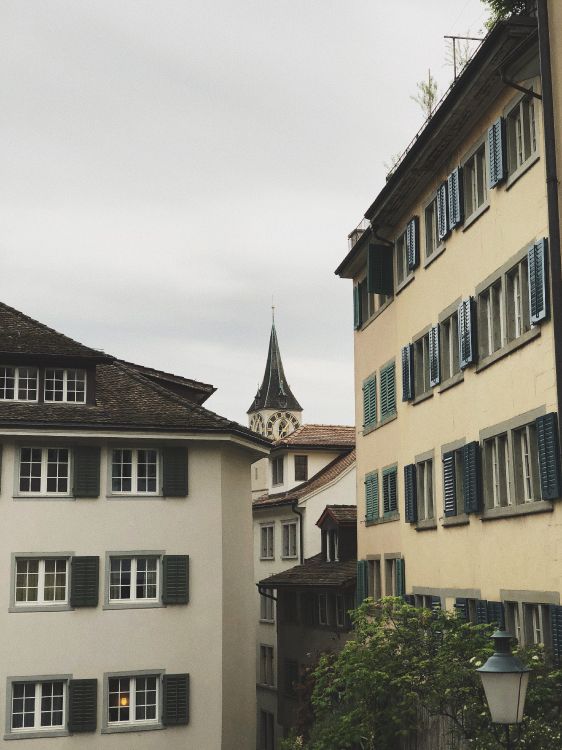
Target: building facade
{"type": "Point", "coordinates": [127, 562]}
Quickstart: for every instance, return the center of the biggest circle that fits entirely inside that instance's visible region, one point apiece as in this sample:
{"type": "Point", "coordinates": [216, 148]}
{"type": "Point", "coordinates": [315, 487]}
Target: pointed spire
{"type": "Point", "coordinates": [274, 392]}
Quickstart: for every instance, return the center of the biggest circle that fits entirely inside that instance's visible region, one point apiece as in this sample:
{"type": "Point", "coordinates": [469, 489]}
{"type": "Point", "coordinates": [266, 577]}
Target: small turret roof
{"type": "Point", "coordinates": [274, 392]}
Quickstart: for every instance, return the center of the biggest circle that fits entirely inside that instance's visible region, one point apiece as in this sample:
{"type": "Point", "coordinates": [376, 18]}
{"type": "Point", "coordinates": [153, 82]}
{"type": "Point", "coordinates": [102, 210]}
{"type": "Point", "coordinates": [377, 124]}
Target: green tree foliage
{"type": "Point", "coordinates": [402, 662]}
{"type": "Point", "coordinates": [501, 9]}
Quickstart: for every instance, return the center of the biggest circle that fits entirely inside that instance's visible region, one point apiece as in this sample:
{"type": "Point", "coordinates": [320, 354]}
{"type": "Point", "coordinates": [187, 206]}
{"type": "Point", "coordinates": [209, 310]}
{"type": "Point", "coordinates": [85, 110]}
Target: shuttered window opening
{"type": "Point", "coordinates": [402, 267]}
{"type": "Point", "coordinates": [472, 477]}
{"type": "Point", "coordinates": [410, 494]}
{"type": "Point", "coordinates": [490, 612]}
{"type": "Point", "coordinates": [434, 359]}
{"type": "Point", "coordinates": [556, 632]}
{"type": "Point", "coordinates": [390, 491]}
{"type": "Point", "coordinates": [380, 274]}
{"type": "Point", "coordinates": [455, 195]}
{"type": "Point", "coordinates": [452, 483]}
{"type": "Point", "coordinates": [388, 390]}
{"type": "Point", "coordinates": [407, 356]}
{"type": "Point", "coordinates": [370, 401]}
{"type": "Point", "coordinates": [422, 365]}
{"type": "Point", "coordinates": [442, 212]}
{"type": "Point", "coordinates": [466, 333]}
{"type": "Point", "coordinates": [400, 577]}
{"type": "Point", "coordinates": [538, 290]}
{"type": "Point", "coordinates": [432, 240]}
{"type": "Point", "coordinates": [521, 134]}
{"type": "Point", "coordinates": [424, 491]}
{"type": "Point", "coordinates": [371, 496]}
{"type": "Point", "coordinates": [497, 167]}
{"type": "Point", "coordinates": [475, 182]}
{"type": "Point", "coordinates": [413, 243]}
{"type": "Point", "coordinates": [449, 347]}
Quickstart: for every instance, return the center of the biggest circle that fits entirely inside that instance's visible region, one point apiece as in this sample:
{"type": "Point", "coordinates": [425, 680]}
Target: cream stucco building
{"type": "Point", "coordinates": [457, 298]}
{"type": "Point", "coordinates": [126, 544]}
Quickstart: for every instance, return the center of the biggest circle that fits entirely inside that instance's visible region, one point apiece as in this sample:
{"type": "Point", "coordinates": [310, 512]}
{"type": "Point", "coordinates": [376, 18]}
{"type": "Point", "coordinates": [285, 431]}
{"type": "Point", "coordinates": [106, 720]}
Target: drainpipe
{"type": "Point", "coordinates": [551, 190]}
{"type": "Point", "coordinates": [294, 508]}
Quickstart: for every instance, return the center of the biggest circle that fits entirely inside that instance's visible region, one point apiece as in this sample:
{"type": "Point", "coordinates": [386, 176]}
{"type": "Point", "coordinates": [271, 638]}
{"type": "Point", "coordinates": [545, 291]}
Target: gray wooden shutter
{"type": "Point", "coordinates": [86, 471]}
{"type": "Point", "coordinates": [400, 577]}
{"type": "Point", "coordinates": [84, 581]}
{"type": "Point", "coordinates": [496, 614]}
{"type": "Point", "coordinates": [497, 162]}
{"type": "Point", "coordinates": [175, 585]}
{"type": "Point", "coordinates": [467, 333]}
{"type": "Point", "coordinates": [413, 243]}
{"type": "Point", "coordinates": [410, 492]}
{"type": "Point", "coordinates": [481, 611]}
{"type": "Point", "coordinates": [362, 582]}
{"type": "Point", "coordinates": [461, 608]}
{"type": "Point", "coordinates": [538, 292]}
{"type": "Point", "coordinates": [380, 273]}
{"type": "Point", "coordinates": [449, 484]}
{"type": "Point", "coordinates": [370, 401]}
{"type": "Point", "coordinates": [175, 700]}
{"type": "Point", "coordinates": [371, 497]}
{"type": "Point", "coordinates": [82, 705]}
{"type": "Point", "coordinates": [174, 462]}
{"type": "Point", "coordinates": [556, 631]}
{"type": "Point", "coordinates": [442, 209]}
{"type": "Point", "coordinates": [434, 367]}
{"type": "Point", "coordinates": [407, 373]}
{"type": "Point", "coordinates": [472, 482]}
{"type": "Point", "coordinates": [455, 197]}
{"type": "Point", "coordinates": [549, 455]}
{"type": "Point", "coordinates": [356, 308]}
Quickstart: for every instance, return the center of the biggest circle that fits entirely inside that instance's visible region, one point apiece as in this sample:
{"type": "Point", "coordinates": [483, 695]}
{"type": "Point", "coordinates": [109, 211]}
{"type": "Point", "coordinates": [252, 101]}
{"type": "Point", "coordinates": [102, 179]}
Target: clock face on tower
{"type": "Point", "coordinates": [280, 424]}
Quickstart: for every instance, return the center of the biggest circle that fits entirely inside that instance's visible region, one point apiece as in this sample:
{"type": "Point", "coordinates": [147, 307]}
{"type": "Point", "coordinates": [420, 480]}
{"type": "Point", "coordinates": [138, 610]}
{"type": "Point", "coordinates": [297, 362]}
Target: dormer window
{"type": "Point", "coordinates": [18, 383]}
{"type": "Point", "coordinates": [332, 546]}
{"type": "Point", "coordinates": [65, 385]}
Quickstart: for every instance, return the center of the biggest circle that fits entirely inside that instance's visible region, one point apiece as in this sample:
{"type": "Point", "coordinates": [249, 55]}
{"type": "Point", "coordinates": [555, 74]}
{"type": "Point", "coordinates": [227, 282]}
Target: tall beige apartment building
{"type": "Point", "coordinates": [458, 346]}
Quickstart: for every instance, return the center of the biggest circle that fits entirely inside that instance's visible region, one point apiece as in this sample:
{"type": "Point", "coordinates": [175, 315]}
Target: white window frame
{"type": "Point", "coordinates": [431, 233]}
{"type": "Point", "coordinates": [449, 346]}
{"type": "Point", "coordinates": [16, 377]}
{"type": "Point", "coordinates": [132, 723]}
{"type": "Point", "coordinates": [521, 134]}
{"type": "Point", "coordinates": [267, 665]}
{"type": "Point", "coordinates": [267, 529]}
{"type": "Point", "coordinates": [41, 602]}
{"type": "Point", "coordinates": [401, 260]}
{"type": "Point", "coordinates": [332, 540]}
{"type": "Point", "coordinates": [290, 543]}
{"type": "Point", "coordinates": [425, 489]}
{"type": "Point", "coordinates": [134, 491]}
{"type": "Point", "coordinates": [65, 379]}
{"type": "Point", "coordinates": [42, 492]}
{"type": "Point", "coordinates": [277, 470]}
{"type": "Point", "coordinates": [134, 572]}
{"type": "Point", "coordinates": [267, 606]}
{"type": "Point", "coordinates": [475, 182]}
{"type": "Point", "coordinates": [37, 730]}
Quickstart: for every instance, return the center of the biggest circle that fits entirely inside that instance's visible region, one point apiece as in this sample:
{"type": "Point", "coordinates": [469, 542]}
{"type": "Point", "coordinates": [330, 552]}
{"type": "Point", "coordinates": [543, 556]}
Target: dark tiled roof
{"type": "Point", "coordinates": [22, 335]}
{"type": "Point", "coordinates": [315, 572]}
{"type": "Point", "coordinates": [319, 436]}
{"type": "Point", "coordinates": [193, 390]}
{"type": "Point", "coordinates": [326, 475]}
{"type": "Point", "coordinates": [274, 392]}
{"type": "Point", "coordinates": [342, 514]}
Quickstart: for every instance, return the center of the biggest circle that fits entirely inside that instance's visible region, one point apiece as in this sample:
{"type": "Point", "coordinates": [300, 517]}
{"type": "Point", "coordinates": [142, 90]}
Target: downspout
{"type": "Point", "coordinates": [294, 508]}
{"type": "Point", "coordinates": [551, 191]}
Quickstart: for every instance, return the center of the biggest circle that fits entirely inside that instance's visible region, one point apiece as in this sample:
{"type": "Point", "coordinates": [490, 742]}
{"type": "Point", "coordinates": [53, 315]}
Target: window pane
{"type": "Point", "coordinates": [146, 470]}
{"type": "Point", "coordinates": [76, 385]}
{"type": "Point", "coordinates": [122, 471]}
{"type": "Point", "coordinates": [57, 470]}
{"type": "Point", "coordinates": [27, 383]}
{"type": "Point", "coordinates": [23, 705]}
{"type": "Point", "coordinates": [54, 385]}
{"type": "Point", "coordinates": [119, 699]}
{"type": "Point", "coordinates": [7, 381]}
{"type": "Point", "coordinates": [120, 578]}
{"type": "Point", "coordinates": [27, 580]}
{"type": "Point", "coordinates": [55, 581]}
{"type": "Point", "coordinates": [146, 577]}
{"type": "Point", "coordinates": [52, 704]}
{"type": "Point", "coordinates": [30, 470]}
{"type": "Point", "coordinates": [145, 698]}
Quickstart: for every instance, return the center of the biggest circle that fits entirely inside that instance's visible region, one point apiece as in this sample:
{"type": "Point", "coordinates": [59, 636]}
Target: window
{"type": "Point", "coordinates": [44, 471]}
{"type": "Point", "coordinates": [65, 385]}
{"type": "Point", "coordinates": [475, 182]}
{"type": "Point", "coordinates": [301, 468]}
{"type": "Point", "coordinates": [517, 295]}
{"type": "Point", "coordinates": [375, 580]}
{"type": "Point", "coordinates": [18, 383]}
{"type": "Point", "coordinates": [267, 730]}
{"type": "Point", "coordinates": [492, 319]}
{"type": "Point", "coordinates": [291, 670]}
{"type": "Point", "coordinates": [277, 470]}
{"type": "Point", "coordinates": [134, 579]}
{"type": "Point", "coordinates": [267, 606]}
{"type": "Point", "coordinates": [323, 617]}
{"type": "Point", "coordinates": [133, 700]}
{"type": "Point", "coordinates": [332, 546]}
{"type": "Point", "coordinates": [424, 478]}
{"type": "Point", "coordinates": [41, 581]}
{"type": "Point", "coordinates": [521, 134]}
{"type": "Point", "coordinates": [290, 539]}
{"type": "Point", "coordinates": [525, 464]}
{"type": "Point", "coordinates": [266, 665]}
{"type": "Point", "coordinates": [134, 471]}
{"type": "Point", "coordinates": [402, 271]}
{"type": "Point", "coordinates": [421, 365]}
{"type": "Point", "coordinates": [388, 390]}
{"type": "Point", "coordinates": [511, 467]}
{"type": "Point", "coordinates": [449, 345]}
{"type": "Point", "coordinates": [432, 240]}
{"type": "Point", "coordinates": [267, 551]}
{"type": "Point", "coordinates": [498, 486]}
{"type": "Point", "coordinates": [38, 706]}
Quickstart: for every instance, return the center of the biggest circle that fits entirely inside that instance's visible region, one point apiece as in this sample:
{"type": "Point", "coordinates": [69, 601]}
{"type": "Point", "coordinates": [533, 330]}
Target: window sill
{"type": "Point", "coordinates": [376, 314]}
{"type": "Point", "coordinates": [525, 509]}
{"type": "Point", "coordinates": [422, 397]}
{"type": "Point", "coordinates": [461, 519]}
{"type": "Point", "coordinates": [404, 283]}
{"type": "Point", "coordinates": [520, 171]}
{"type": "Point", "coordinates": [455, 379]}
{"type": "Point", "coordinates": [134, 497]}
{"type": "Point", "coordinates": [41, 608]}
{"type": "Point", "coordinates": [378, 425]}
{"type": "Point", "coordinates": [387, 518]}
{"type": "Point", "coordinates": [469, 221]}
{"type": "Point", "coordinates": [132, 728]}
{"type": "Point", "coordinates": [267, 622]}
{"type": "Point", "coordinates": [44, 497]}
{"type": "Point", "coordinates": [427, 524]}
{"type": "Point", "coordinates": [533, 333]}
{"type": "Point", "coordinates": [269, 688]}
{"type": "Point", "coordinates": [289, 557]}
{"type": "Point", "coordinates": [133, 605]}
{"type": "Point", "coordinates": [439, 250]}
{"type": "Point", "coordinates": [267, 559]}
{"type": "Point", "coordinates": [31, 735]}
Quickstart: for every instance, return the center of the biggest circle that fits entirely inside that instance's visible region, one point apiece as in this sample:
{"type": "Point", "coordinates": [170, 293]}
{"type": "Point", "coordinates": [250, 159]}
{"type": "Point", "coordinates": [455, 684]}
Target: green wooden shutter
{"type": "Point", "coordinates": [400, 577]}
{"type": "Point", "coordinates": [388, 390]}
{"type": "Point", "coordinates": [175, 700]}
{"type": "Point", "coordinates": [467, 333]}
{"type": "Point", "coordinates": [461, 608]}
{"type": "Point", "coordinates": [481, 611]}
{"type": "Point", "coordinates": [389, 490]}
{"type": "Point", "coordinates": [549, 456]}
{"type": "Point", "coordinates": [380, 272]}
{"type": "Point", "coordinates": [449, 484]}
{"type": "Point", "coordinates": [496, 614]}
{"type": "Point", "coordinates": [82, 705]}
{"type": "Point", "coordinates": [407, 373]}
{"type": "Point", "coordinates": [538, 289]}
{"type": "Point", "coordinates": [371, 497]}
{"type": "Point", "coordinates": [410, 499]}
{"type": "Point", "coordinates": [472, 477]}
{"type": "Point", "coordinates": [556, 631]}
{"type": "Point", "coordinates": [370, 401]}
{"type": "Point", "coordinates": [434, 368]}
{"type": "Point", "coordinates": [362, 588]}
{"type": "Point", "coordinates": [86, 472]}
{"type": "Point", "coordinates": [174, 463]}
{"type": "Point", "coordinates": [84, 581]}
{"type": "Point", "coordinates": [356, 308]}
{"type": "Point", "coordinates": [442, 206]}
{"type": "Point", "coordinates": [175, 585]}
{"type": "Point", "coordinates": [456, 198]}
{"type": "Point", "coordinates": [497, 164]}
{"type": "Point", "coordinates": [413, 243]}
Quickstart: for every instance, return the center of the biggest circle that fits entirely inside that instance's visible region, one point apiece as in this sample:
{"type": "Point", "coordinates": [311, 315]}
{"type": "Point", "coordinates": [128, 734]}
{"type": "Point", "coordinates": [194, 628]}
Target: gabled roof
{"type": "Point", "coordinates": [325, 476]}
{"type": "Point", "coordinates": [193, 390]}
{"type": "Point", "coordinates": [274, 392]}
{"type": "Point", "coordinates": [315, 572]}
{"type": "Point", "coordinates": [332, 436]}
{"type": "Point", "coordinates": [343, 515]}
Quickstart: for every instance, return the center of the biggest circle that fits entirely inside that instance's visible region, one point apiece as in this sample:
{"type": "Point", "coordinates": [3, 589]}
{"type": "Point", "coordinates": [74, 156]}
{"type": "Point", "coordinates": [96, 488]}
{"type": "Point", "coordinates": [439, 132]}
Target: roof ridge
{"type": "Point", "coordinates": [164, 373]}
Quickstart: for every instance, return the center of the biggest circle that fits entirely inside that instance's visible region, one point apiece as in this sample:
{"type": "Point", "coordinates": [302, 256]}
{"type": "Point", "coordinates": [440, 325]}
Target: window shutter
{"type": "Point", "coordinates": [356, 308]}
{"type": "Point", "coordinates": [175, 699]}
{"type": "Point", "coordinates": [389, 490]}
{"type": "Point", "coordinates": [371, 497]}
{"type": "Point", "coordinates": [455, 196]}
{"type": "Point", "coordinates": [413, 243]}
{"type": "Point", "coordinates": [400, 577]}
{"type": "Point", "coordinates": [472, 485]}
{"type": "Point", "coordinates": [449, 484]}
{"type": "Point", "coordinates": [174, 462]}
{"type": "Point", "coordinates": [461, 607]}
{"type": "Point", "coordinates": [442, 206]}
{"type": "Point", "coordinates": [362, 582]}
{"type": "Point", "coordinates": [410, 500]}
{"type": "Point", "coordinates": [538, 294]}
{"type": "Point", "coordinates": [175, 586]}
{"type": "Point", "coordinates": [86, 460]}
{"type": "Point", "coordinates": [370, 402]}
{"type": "Point", "coordinates": [467, 333]}
{"type": "Point", "coordinates": [84, 581]}
{"type": "Point", "coordinates": [434, 369]}
{"type": "Point", "coordinates": [410, 599]}
{"type": "Point", "coordinates": [556, 630]}
{"type": "Point", "coordinates": [82, 705]}
{"type": "Point", "coordinates": [549, 456]}
{"type": "Point", "coordinates": [481, 612]}
{"type": "Point", "coordinates": [497, 153]}
{"type": "Point", "coordinates": [407, 373]}
{"type": "Point", "coordinates": [388, 390]}
{"type": "Point", "coordinates": [495, 614]}
{"type": "Point", "coordinates": [380, 274]}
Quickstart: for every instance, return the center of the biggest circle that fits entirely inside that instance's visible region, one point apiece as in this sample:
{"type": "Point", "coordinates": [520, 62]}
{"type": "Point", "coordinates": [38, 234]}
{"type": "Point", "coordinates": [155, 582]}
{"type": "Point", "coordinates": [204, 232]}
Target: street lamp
{"type": "Point", "coordinates": [505, 680]}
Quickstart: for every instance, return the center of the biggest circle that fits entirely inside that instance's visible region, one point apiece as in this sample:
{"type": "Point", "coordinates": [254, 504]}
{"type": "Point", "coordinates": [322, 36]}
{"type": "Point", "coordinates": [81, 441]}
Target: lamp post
{"type": "Point", "coordinates": [505, 681]}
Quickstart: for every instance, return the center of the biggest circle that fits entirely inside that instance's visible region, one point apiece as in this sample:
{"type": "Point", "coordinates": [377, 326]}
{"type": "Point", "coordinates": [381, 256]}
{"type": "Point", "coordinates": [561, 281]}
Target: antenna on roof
{"type": "Point", "coordinates": [465, 54]}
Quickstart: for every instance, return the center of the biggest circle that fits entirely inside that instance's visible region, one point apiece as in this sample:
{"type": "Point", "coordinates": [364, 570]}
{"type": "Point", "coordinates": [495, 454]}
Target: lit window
{"type": "Point", "coordinates": [134, 471]}
{"type": "Point", "coordinates": [65, 385]}
{"type": "Point", "coordinates": [134, 579]}
{"type": "Point", "coordinates": [44, 471]}
{"type": "Point", "coordinates": [41, 581]}
{"type": "Point", "coordinates": [18, 383]}
{"type": "Point", "coordinates": [38, 705]}
{"type": "Point", "coordinates": [133, 700]}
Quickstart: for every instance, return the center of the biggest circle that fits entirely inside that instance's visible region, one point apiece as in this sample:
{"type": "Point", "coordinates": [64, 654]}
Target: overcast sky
{"type": "Point", "coordinates": [167, 167]}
